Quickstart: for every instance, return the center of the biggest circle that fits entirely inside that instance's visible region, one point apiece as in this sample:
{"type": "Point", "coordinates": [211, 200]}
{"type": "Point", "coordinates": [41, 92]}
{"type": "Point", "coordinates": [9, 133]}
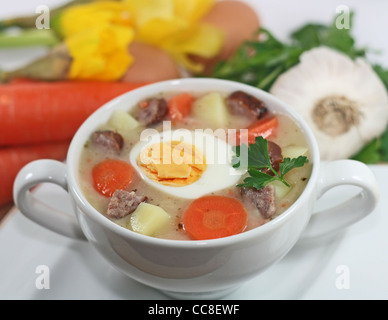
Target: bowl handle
{"type": "Point", "coordinates": [34, 173]}
{"type": "Point", "coordinates": [337, 173]}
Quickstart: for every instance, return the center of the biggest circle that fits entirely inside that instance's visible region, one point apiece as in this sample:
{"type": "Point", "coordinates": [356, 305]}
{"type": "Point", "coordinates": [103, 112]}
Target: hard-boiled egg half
{"type": "Point", "coordinates": [185, 163]}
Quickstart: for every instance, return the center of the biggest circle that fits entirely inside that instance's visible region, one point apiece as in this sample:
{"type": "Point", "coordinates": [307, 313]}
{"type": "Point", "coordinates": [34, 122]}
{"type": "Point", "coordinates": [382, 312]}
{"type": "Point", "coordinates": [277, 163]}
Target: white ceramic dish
{"type": "Point", "coordinates": [309, 271]}
{"type": "Point", "coordinates": [200, 269]}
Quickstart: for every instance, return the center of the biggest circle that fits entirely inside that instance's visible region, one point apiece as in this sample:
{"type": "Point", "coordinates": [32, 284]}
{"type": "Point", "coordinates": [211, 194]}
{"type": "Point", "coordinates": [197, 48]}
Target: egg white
{"type": "Point", "coordinates": [219, 173]}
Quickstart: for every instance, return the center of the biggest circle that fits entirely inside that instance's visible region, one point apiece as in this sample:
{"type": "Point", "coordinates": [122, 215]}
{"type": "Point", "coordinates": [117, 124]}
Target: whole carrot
{"type": "Point", "coordinates": [32, 112]}
{"type": "Point", "coordinates": [12, 159]}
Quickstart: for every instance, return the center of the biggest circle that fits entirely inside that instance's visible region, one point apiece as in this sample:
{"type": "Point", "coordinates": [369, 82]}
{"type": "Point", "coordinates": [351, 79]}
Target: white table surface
{"type": "Point", "coordinates": [313, 270]}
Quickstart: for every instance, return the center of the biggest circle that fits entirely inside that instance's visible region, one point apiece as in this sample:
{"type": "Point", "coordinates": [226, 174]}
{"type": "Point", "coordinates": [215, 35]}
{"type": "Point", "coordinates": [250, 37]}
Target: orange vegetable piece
{"type": "Point", "coordinates": [111, 175]}
{"type": "Point", "coordinates": [179, 106]}
{"type": "Point", "coordinates": [263, 127]}
{"type": "Point", "coordinates": [213, 217]}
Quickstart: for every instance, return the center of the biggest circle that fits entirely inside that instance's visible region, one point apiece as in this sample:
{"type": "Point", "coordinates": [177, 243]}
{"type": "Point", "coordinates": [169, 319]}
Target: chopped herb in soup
{"type": "Point", "coordinates": [194, 166]}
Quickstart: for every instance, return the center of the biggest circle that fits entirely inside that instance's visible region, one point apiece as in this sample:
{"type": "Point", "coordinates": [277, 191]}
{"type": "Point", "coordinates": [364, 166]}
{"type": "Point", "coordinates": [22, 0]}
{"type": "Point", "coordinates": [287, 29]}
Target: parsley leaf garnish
{"type": "Point", "coordinates": [255, 158]}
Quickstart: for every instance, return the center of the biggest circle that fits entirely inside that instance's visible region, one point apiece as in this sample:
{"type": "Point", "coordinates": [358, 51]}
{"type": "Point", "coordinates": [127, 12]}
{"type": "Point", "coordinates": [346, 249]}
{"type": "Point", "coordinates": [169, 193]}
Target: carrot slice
{"type": "Point", "coordinates": [111, 175]}
{"type": "Point", "coordinates": [264, 127]}
{"type": "Point", "coordinates": [213, 217]}
{"type": "Point", "coordinates": [179, 106]}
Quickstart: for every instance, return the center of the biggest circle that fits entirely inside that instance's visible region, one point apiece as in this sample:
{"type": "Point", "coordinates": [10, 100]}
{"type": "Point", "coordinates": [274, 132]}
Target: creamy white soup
{"type": "Point", "coordinates": [173, 165]}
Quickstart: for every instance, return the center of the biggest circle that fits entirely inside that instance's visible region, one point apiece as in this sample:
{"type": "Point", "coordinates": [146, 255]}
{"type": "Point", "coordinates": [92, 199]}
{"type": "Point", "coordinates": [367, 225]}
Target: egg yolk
{"type": "Point", "coordinates": [172, 163]}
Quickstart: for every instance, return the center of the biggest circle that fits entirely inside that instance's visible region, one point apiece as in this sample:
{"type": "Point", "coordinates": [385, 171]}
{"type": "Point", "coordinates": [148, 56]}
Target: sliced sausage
{"type": "Point", "coordinates": [108, 141]}
{"type": "Point", "coordinates": [263, 200]}
{"type": "Point", "coordinates": [152, 111]}
{"type": "Point", "coordinates": [275, 155]}
{"type": "Point", "coordinates": [123, 203]}
{"type": "Point", "coordinates": [242, 103]}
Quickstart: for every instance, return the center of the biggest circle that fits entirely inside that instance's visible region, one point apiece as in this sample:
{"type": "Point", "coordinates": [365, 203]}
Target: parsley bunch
{"type": "Point", "coordinates": [256, 158]}
{"type": "Point", "coordinates": [260, 62]}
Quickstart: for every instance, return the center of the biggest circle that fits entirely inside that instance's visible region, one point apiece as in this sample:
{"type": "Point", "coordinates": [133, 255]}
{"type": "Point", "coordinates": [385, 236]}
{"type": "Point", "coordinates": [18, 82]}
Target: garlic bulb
{"type": "Point", "coordinates": [344, 101]}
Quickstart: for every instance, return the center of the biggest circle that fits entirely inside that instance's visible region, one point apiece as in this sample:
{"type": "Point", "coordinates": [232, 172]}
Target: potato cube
{"type": "Point", "coordinates": [122, 121]}
{"type": "Point", "coordinates": [281, 189]}
{"type": "Point", "coordinates": [294, 151]}
{"type": "Point", "coordinates": [147, 219]}
{"type": "Point", "coordinates": [211, 109]}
